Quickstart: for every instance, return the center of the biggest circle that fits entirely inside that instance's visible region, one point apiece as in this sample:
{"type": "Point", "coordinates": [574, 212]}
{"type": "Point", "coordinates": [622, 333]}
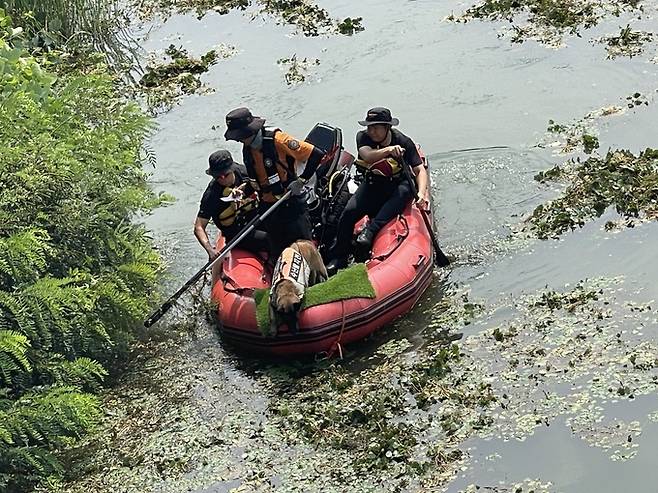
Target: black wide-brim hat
{"type": "Point", "coordinates": [379, 116]}
{"type": "Point", "coordinates": [220, 162]}
{"type": "Point", "coordinates": [241, 124]}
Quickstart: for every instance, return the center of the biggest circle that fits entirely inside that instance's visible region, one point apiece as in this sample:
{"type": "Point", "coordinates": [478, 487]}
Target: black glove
{"type": "Point", "coordinates": [297, 186]}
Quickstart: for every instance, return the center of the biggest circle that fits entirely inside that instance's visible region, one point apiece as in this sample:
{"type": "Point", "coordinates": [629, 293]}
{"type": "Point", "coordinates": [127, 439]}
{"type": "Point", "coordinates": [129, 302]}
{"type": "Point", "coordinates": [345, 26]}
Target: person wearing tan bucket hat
{"type": "Point", "coordinates": [383, 193]}
{"type": "Point", "coordinates": [272, 157]}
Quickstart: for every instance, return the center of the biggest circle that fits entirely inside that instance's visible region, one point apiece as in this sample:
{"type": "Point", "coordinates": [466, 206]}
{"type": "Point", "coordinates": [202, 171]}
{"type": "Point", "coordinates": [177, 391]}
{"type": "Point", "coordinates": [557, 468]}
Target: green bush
{"type": "Point", "coordinates": [76, 270]}
{"type": "Point", "coordinates": [76, 25]}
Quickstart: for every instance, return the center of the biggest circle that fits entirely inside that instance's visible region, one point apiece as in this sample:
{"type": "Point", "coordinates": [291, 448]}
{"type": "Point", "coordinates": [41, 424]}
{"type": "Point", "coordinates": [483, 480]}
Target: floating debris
{"type": "Point", "coordinates": [309, 18]}
{"type": "Point", "coordinates": [546, 21]}
{"type": "Point", "coordinates": [628, 43]}
{"type": "Point", "coordinates": [148, 9]}
{"type": "Point", "coordinates": [636, 99]}
{"type": "Point", "coordinates": [578, 135]}
{"type": "Point", "coordinates": [164, 82]}
{"type": "Point", "coordinates": [525, 486]}
{"type": "Point", "coordinates": [569, 353]}
{"type": "Point", "coordinates": [620, 179]}
{"type": "Point", "coordinates": [349, 26]}
{"type": "Point", "coordinates": [297, 69]}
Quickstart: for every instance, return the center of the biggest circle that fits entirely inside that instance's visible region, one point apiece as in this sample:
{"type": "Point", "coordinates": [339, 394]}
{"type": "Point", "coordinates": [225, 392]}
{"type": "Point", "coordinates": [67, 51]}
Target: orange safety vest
{"type": "Point", "coordinates": [273, 166]}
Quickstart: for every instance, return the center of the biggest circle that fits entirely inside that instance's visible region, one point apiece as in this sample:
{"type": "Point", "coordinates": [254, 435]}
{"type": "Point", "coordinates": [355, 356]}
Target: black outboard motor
{"type": "Point", "coordinates": [330, 140]}
{"type": "Point", "coordinates": [330, 192]}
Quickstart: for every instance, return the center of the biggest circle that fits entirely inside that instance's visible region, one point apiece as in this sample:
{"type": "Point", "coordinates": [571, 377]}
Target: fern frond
{"type": "Point", "coordinates": [46, 418]}
{"type": "Point", "coordinates": [13, 354]}
{"type": "Point", "coordinates": [14, 310]}
{"type": "Point", "coordinates": [81, 373]}
{"type": "Point", "coordinates": [23, 256]}
{"type": "Point", "coordinates": [149, 155]}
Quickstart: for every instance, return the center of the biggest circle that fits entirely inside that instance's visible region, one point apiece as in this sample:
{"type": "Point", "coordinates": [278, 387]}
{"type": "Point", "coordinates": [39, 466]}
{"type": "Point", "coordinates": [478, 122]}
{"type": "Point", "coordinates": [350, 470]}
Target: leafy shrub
{"type": "Point", "coordinates": [76, 271]}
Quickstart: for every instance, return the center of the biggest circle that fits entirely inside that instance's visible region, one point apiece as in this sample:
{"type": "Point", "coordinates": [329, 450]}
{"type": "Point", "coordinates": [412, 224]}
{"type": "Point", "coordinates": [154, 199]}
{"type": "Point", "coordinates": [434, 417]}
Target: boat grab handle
{"type": "Point", "coordinates": [420, 262]}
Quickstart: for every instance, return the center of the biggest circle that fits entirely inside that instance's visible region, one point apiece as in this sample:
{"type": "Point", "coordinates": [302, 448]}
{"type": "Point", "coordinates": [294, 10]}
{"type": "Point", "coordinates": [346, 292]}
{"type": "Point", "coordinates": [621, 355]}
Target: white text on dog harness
{"type": "Point", "coordinates": [292, 266]}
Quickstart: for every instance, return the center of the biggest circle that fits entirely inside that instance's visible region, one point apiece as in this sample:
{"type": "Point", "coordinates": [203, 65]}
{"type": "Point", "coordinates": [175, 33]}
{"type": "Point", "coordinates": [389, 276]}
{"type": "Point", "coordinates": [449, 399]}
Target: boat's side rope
{"type": "Point", "coordinates": [399, 239]}
{"type": "Point", "coordinates": [336, 346]}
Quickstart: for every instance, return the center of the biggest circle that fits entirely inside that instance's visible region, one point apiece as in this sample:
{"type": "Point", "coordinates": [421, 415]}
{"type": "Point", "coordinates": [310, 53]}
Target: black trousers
{"type": "Point", "coordinates": [288, 223]}
{"type": "Point", "coordinates": [378, 198]}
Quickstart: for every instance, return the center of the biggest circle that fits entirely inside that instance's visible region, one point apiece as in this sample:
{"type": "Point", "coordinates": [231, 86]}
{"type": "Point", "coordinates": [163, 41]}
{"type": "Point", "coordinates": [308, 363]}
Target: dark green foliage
{"type": "Point", "coordinates": [33, 424]}
{"type": "Point", "coordinates": [590, 142]}
{"type": "Point", "coordinates": [180, 63]}
{"type": "Point", "coordinates": [621, 179]}
{"type": "Point", "coordinates": [553, 174]}
{"type": "Point", "coordinates": [75, 272]}
{"type": "Point", "coordinates": [559, 14]}
{"type": "Point", "coordinates": [164, 82]}
{"type": "Point", "coordinates": [556, 128]}
{"type": "Point", "coordinates": [75, 26]}
{"type": "Point", "coordinates": [350, 25]}
{"type": "Point", "coordinates": [369, 415]}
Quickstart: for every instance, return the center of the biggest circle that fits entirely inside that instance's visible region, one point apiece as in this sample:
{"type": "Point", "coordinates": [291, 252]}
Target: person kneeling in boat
{"type": "Point", "coordinates": [384, 192]}
{"type": "Point", "coordinates": [228, 203]}
{"type": "Point", "coordinates": [272, 158]}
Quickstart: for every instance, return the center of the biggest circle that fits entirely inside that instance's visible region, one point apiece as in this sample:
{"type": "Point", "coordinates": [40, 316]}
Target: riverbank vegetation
{"type": "Point", "coordinates": [76, 273]}
{"type": "Point", "coordinates": [76, 27]}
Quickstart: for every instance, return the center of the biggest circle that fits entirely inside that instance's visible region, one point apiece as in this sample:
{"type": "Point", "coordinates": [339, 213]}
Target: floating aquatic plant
{"type": "Point", "coordinates": [547, 20]}
{"type": "Point", "coordinates": [628, 42]}
{"type": "Point", "coordinates": [297, 68]}
{"type": "Point", "coordinates": [621, 180]}
{"type": "Point", "coordinates": [309, 18]}
{"type": "Point", "coordinates": [165, 82]}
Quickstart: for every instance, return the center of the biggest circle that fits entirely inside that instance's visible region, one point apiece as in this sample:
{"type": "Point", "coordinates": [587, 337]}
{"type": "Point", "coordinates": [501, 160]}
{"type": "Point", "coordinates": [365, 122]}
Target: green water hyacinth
{"type": "Point", "coordinates": [621, 180]}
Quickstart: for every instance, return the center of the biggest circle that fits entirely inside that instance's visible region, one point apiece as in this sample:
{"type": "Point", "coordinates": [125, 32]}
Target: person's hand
{"type": "Point", "coordinates": [297, 186]}
{"type": "Point", "coordinates": [395, 151]}
{"type": "Point", "coordinates": [212, 254]}
{"type": "Point", "coordinates": [237, 193]}
{"type": "Point", "coordinates": [423, 200]}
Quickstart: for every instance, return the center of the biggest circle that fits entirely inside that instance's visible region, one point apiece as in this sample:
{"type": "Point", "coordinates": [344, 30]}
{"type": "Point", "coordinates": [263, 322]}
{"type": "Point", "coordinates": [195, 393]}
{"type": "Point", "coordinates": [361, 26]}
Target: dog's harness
{"type": "Point", "coordinates": [292, 266]}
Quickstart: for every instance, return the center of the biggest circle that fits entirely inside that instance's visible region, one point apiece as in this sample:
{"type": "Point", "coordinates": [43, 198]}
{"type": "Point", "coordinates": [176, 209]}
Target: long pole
{"type": "Point", "coordinates": [251, 225]}
{"type": "Point", "coordinates": [439, 257]}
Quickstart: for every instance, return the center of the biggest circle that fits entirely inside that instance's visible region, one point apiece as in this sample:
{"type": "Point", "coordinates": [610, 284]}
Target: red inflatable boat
{"type": "Point", "coordinates": [400, 270]}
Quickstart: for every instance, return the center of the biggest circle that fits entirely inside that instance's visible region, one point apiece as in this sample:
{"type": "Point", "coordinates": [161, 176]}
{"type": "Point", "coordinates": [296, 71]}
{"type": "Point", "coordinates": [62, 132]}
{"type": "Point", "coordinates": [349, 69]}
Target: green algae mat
{"type": "Point", "coordinates": [352, 282]}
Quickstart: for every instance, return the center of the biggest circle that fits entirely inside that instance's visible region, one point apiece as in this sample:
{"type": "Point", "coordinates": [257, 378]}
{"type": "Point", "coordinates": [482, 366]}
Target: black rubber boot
{"type": "Point", "coordinates": [364, 240]}
{"type": "Point", "coordinates": [336, 264]}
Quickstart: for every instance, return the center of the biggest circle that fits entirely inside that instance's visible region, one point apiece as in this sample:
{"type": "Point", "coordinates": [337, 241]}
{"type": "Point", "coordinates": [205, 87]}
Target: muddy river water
{"type": "Point", "coordinates": [566, 398]}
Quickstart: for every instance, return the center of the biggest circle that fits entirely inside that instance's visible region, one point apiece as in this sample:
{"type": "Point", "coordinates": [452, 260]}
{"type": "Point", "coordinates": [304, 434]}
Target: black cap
{"type": "Point", "coordinates": [241, 124]}
{"type": "Point", "coordinates": [379, 116]}
{"type": "Point", "coordinates": [220, 162]}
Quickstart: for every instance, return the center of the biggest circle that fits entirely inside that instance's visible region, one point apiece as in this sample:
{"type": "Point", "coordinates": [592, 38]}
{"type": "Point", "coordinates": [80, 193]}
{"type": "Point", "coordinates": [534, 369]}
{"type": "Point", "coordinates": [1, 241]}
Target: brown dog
{"type": "Point", "coordinates": [299, 266]}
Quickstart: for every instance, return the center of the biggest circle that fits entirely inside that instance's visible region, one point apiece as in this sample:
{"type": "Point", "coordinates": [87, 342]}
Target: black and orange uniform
{"type": "Point", "coordinates": [227, 216]}
{"type": "Point", "coordinates": [270, 161]}
{"type": "Point", "coordinates": [382, 195]}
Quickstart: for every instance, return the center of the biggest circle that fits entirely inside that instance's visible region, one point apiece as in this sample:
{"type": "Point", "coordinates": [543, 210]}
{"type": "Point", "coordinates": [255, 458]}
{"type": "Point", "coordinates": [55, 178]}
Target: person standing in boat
{"type": "Point", "coordinates": [226, 201]}
{"type": "Point", "coordinates": [384, 192]}
{"type": "Point", "coordinates": [271, 157]}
